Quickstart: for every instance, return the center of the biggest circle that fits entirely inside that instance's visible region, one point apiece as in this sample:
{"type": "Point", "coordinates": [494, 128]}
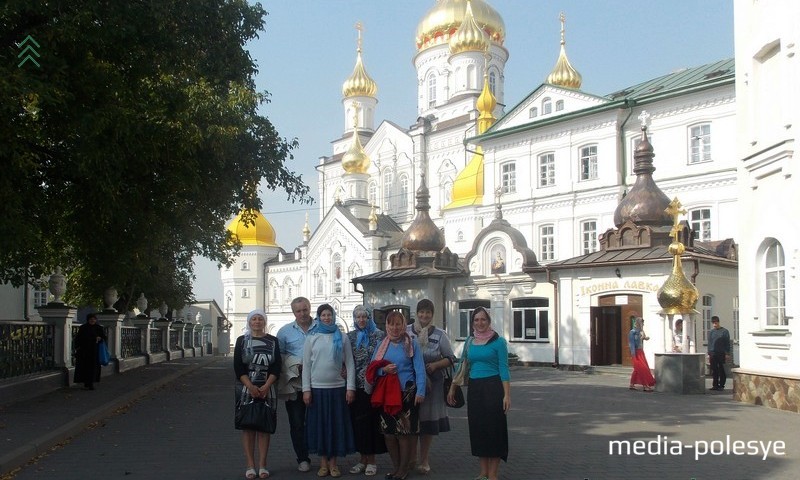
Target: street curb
{"type": "Point", "coordinates": [23, 454]}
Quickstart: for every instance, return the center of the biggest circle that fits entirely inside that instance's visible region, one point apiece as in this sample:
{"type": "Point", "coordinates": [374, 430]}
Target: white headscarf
{"type": "Point", "coordinates": [248, 333]}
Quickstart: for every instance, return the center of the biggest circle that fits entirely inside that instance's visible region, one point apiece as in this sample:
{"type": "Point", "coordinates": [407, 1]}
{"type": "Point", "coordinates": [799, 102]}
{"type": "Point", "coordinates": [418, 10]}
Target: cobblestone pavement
{"type": "Point", "coordinates": [562, 426]}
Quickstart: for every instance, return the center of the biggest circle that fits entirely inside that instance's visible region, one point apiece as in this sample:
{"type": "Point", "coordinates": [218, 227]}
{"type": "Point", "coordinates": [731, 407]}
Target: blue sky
{"type": "Point", "coordinates": [308, 49]}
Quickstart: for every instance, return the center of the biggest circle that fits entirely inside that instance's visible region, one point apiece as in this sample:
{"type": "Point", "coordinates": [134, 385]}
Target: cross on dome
{"type": "Point", "coordinates": [644, 117]}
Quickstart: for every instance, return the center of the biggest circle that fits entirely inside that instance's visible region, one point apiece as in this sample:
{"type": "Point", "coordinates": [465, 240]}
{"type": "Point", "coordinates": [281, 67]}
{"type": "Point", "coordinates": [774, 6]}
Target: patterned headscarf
{"type": "Point", "coordinates": [324, 328]}
{"type": "Point", "coordinates": [248, 332]}
{"type": "Point", "coordinates": [482, 338]}
{"type": "Point", "coordinates": [363, 333]}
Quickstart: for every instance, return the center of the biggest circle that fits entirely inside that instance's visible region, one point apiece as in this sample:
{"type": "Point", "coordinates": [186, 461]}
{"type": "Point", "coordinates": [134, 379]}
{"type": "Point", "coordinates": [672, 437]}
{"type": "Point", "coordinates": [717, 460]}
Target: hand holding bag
{"type": "Point", "coordinates": [458, 393]}
{"type": "Point", "coordinates": [103, 357]}
{"type": "Point", "coordinates": [256, 415]}
{"type": "Point", "coordinates": [461, 377]}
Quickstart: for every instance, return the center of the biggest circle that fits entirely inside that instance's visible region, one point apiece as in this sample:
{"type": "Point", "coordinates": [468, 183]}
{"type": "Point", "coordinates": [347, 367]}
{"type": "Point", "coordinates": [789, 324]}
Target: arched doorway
{"type": "Point", "coordinates": [610, 324]}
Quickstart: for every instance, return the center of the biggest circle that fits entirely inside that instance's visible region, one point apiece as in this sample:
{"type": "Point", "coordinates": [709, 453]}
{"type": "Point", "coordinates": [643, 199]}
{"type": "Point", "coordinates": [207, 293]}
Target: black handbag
{"type": "Point", "coordinates": [458, 394]}
{"type": "Point", "coordinates": [256, 415]}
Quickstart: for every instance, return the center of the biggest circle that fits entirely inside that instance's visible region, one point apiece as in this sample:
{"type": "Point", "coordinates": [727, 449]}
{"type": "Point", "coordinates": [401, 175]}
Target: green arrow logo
{"type": "Point", "coordinates": [28, 51]}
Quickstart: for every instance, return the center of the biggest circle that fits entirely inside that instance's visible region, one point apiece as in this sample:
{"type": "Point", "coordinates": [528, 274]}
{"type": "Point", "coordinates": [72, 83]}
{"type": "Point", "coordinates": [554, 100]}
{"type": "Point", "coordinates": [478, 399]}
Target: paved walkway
{"type": "Point", "coordinates": [175, 421]}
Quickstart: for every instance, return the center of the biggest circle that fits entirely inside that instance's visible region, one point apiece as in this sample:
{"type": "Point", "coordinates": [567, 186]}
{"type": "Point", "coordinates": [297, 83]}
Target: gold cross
{"type": "Point", "coordinates": [674, 210]}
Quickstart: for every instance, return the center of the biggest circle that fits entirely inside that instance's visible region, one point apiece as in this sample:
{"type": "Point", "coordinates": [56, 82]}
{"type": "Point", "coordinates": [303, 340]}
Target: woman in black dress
{"type": "Point", "coordinates": [87, 366]}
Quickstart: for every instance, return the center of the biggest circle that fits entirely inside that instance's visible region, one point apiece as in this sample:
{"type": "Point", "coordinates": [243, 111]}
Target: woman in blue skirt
{"type": "Point", "coordinates": [329, 431]}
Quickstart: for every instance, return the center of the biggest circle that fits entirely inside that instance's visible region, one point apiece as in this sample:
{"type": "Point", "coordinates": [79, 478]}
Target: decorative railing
{"type": "Point", "coordinates": [131, 342]}
{"type": "Point", "coordinates": [156, 340]}
{"type": "Point", "coordinates": [174, 339]}
{"type": "Point", "coordinates": [25, 348]}
{"type": "Point", "coordinates": [187, 338]}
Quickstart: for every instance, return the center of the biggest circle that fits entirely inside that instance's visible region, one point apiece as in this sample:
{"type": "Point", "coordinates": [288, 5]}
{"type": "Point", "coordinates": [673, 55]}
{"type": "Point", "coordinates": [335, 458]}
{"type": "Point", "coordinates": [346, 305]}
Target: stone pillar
{"type": "Point", "coordinates": [181, 328]}
{"type": "Point", "coordinates": [163, 324]}
{"type": "Point", "coordinates": [62, 317]}
{"type": "Point", "coordinates": [113, 323]}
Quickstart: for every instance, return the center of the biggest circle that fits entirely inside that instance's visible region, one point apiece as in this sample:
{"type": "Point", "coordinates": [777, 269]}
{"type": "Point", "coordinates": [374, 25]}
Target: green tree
{"type": "Point", "coordinates": [124, 153]}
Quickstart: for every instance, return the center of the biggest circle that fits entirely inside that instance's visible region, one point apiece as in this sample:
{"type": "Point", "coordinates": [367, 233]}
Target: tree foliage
{"type": "Point", "coordinates": [126, 151]}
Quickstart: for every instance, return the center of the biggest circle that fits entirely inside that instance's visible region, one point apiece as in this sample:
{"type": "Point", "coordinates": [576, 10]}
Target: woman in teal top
{"type": "Point", "coordinates": [488, 395]}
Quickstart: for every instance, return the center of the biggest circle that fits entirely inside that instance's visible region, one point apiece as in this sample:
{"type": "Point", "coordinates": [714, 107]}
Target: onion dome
{"type": "Point", "coordinates": [677, 295]}
{"type": "Point", "coordinates": [645, 204]}
{"type": "Point", "coordinates": [468, 185]}
{"type": "Point", "coordinates": [445, 18]}
{"type": "Point", "coordinates": [259, 234]}
{"type": "Point", "coordinates": [373, 219]}
{"type": "Point", "coordinates": [563, 74]}
{"type": "Point", "coordinates": [423, 235]}
{"type": "Point", "coordinates": [359, 83]}
{"type": "Point", "coordinates": [355, 160]}
{"type": "Point", "coordinates": [306, 231]}
{"type": "Point", "coordinates": [469, 37]}
{"type": "Point", "coordinates": [485, 104]}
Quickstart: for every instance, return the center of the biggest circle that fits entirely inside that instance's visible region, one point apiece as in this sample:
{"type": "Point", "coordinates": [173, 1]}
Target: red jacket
{"type": "Point", "coordinates": [387, 392]}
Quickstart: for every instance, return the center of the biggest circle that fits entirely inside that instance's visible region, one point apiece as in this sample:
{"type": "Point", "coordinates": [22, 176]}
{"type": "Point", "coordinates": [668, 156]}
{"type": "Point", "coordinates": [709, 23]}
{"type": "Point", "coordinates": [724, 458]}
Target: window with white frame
{"type": "Point", "coordinates": [589, 162]}
{"type": "Point", "coordinates": [492, 82]}
{"type": "Point", "coordinates": [707, 310]}
{"type": "Point", "coordinates": [372, 193]}
{"type": "Point", "coordinates": [559, 105]}
{"type": "Point", "coordinates": [245, 293]}
{"type": "Point", "coordinates": [547, 106]}
{"type": "Point", "coordinates": [465, 309]}
{"type": "Point", "coordinates": [388, 185]}
{"type": "Point", "coordinates": [336, 268]}
{"type": "Point", "coordinates": [530, 319]}
{"type": "Point", "coordinates": [700, 143]}
{"type": "Point", "coordinates": [589, 236]}
{"type": "Point", "coordinates": [40, 295]}
{"type": "Point", "coordinates": [245, 265]}
{"type": "Point", "coordinates": [546, 243]}
{"type": "Point", "coordinates": [431, 90]}
{"type": "Point", "coordinates": [775, 285]}
{"type": "Point", "coordinates": [700, 221]}
{"type": "Point", "coordinates": [533, 112]}
{"type": "Point", "coordinates": [547, 170]}
{"type": "Point", "coordinates": [403, 200]}
{"type": "Point", "coordinates": [508, 177]}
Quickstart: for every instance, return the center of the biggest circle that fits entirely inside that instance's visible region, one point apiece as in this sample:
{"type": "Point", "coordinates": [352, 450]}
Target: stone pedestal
{"type": "Point", "coordinates": [680, 373]}
{"type": "Point", "coordinates": [143, 323]}
{"type": "Point", "coordinates": [113, 323]}
{"type": "Point", "coordinates": [61, 317]}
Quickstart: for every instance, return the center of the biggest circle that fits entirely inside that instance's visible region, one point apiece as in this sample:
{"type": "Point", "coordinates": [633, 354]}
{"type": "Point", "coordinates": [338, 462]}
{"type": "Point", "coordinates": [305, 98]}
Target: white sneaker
{"type": "Point", "coordinates": [304, 467]}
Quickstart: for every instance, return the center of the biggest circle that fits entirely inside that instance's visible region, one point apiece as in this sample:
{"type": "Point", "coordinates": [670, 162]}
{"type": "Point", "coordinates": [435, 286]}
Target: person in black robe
{"type": "Point", "coordinates": [87, 366]}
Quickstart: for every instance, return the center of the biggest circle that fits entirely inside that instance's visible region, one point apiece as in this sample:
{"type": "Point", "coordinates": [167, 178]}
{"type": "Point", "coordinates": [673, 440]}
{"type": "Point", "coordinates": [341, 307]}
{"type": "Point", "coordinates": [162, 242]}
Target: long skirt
{"type": "Point", "coordinates": [329, 431]}
{"type": "Point", "coordinates": [488, 427]}
{"type": "Point", "coordinates": [366, 425]}
{"type": "Point", "coordinates": [432, 412]}
{"type": "Point", "coordinates": [641, 370]}
{"type": "Point", "coordinates": [407, 421]}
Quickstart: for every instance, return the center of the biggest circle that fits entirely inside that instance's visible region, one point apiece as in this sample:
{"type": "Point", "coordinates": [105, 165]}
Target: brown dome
{"type": "Point", "coordinates": [645, 204]}
{"type": "Point", "coordinates": [423, 235]}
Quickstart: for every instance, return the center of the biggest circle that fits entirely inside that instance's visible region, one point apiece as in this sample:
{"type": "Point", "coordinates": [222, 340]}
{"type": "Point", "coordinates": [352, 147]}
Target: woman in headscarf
{"type": "Point", "coordinates": [641, 374]}
{"type": "Point", "coordinates": [488, 395]}
{"type": "Point", "coordinates": [365, 338]}
{"type": "Point", "coordinates": [257, 363]}
{"type": "Point", "coordinates": [86, 341]}
{"type": "Point", "coordinates": [398, 363]}
{"type": "Point", "coordinates": [329, 431]}
{"type": "Point", "coordinates": [438, 355]}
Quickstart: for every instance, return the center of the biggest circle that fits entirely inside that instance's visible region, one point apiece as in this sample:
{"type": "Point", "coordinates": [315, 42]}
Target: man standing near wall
{"type": "Point", "coordinates": [719, 350]}
{"type": "Point", "coordinates": [291, 339]}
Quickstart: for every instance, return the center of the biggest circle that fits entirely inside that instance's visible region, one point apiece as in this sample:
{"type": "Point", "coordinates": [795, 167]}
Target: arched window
{"type": "Point", "coordinates": [447, 191]}
{"type": "Point", "coordinates": [547, 106]}
{"type": "Point", "coordinates": [493, 83]}
{"type": "Point", "coordinates": [431, 90]}
{"type": "Point", "coordinates": [388, 184]}
{"type": "Point", "coordinates": [559, 105]}
{"type": "Point", "coordinates": [245, 265]}
{"type": "Point", "coordinates": [775, 285]}
{"type": "Point", "coordinates": [372, 193]}
{"type": "Point", "coordinates": [403, 200]}
{"type": "Point", "coordinates": [336, 268]}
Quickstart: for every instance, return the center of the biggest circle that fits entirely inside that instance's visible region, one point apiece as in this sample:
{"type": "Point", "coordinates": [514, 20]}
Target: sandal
{"type": "Point", "coordinates": [371, 470]}
{"type": "Point", "coordinates": [323, 472]}
{"type": "Point", "coordinates": [250, 473]}
{"type": "Point", "coordinates": [357, 468]}
{"type": "Point", "coordinates": [648, 389]}
{"type": "Point", "coordinates": [631, 387]}
{"type": "Point", "coordinates": [423, 469]}
{"type": "Point", "coordinates": [263, 472]}
{"type": "Point", "coordinates": [335, 472]}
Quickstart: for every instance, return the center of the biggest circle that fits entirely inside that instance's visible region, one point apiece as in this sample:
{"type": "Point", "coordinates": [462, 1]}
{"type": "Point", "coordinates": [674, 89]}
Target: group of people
{"type": "Point", "coordinates": [371, 392]}
{"type": "Point", "coordinates": [719, 352]}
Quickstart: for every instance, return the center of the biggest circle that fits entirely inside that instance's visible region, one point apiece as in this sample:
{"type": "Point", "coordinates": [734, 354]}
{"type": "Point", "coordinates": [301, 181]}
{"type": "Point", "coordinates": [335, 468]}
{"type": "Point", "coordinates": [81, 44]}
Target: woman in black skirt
{"type": "Point", "coordinates": [488, 395]}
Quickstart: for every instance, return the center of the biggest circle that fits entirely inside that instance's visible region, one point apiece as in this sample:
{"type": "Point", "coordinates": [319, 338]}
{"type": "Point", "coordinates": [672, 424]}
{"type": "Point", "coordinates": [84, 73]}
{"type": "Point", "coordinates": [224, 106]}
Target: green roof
{"type": "Point", "coordinates": [677, 80]}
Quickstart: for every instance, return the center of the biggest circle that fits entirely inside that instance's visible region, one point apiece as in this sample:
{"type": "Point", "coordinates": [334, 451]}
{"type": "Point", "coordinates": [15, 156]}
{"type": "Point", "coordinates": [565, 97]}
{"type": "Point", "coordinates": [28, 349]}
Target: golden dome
{"type": "Point", "coordinates": [677, 295]}
{"type": "Point", "coordinates": [468, 186]}
{"type": "Point", "coordinates": [486, 104]}
{"type": "Point", "coordinates": [359, 83]}
{"type": "Point", "coordinates": [259, 233]}
{"type": "Point", "coordinates": [563, 74]}
{"type": "Point", "coordinates": [469, 37]}
{"type": "Point", "coordinates": [355, 160]}
{"type": "Point", "coordinates": [444, 19]}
